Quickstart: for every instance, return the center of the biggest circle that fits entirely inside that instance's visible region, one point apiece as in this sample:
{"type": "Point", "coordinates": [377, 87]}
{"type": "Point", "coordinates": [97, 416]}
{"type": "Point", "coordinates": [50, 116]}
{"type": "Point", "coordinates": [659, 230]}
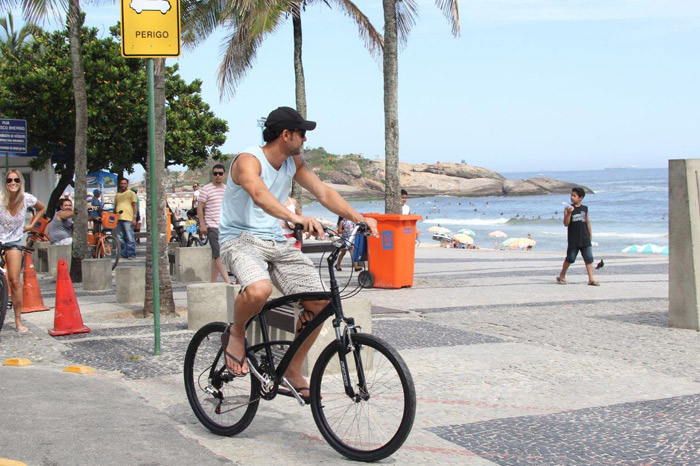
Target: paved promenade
{"type": "Point", "coordinates": [510, 368]}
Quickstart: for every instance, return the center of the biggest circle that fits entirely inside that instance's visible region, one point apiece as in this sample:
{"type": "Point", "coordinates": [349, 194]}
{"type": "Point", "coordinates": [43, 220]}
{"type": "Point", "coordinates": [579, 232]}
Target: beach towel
{"type": "Point", "coordinates": [360, 252]}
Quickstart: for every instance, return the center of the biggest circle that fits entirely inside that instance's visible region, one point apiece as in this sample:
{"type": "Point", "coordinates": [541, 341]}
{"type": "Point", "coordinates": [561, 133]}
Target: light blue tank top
{"type": "Point", "coordinates": [238, 211]}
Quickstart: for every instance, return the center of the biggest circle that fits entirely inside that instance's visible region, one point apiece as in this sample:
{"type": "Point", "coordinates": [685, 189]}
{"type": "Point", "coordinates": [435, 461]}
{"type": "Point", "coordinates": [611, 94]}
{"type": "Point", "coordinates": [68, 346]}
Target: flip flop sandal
{"type": "Point", "coordinates": [561, 281]}
{"type": "Point", "coordinates": [593, 283]}
{"type": "Point", "coordinates": [284, 391]}
{"type": "Point", "coordinates": [224, 344]}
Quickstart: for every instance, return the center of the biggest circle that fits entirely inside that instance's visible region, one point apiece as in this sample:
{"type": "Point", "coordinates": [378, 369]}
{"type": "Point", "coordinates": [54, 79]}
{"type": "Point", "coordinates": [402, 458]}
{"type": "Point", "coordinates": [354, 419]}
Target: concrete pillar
{"type": "Point", "coordinates": [193, 264]}
{"type": "Point", "coordinates": [131, 284]}
{"type": "Point", "coordinates": [40, 256]}
{"type": "Point", "coordinates": [97, 274]}
{"type": "Point", "coordinates": [209, 302]}
{"type": "Point", "coordinates": [58, 252]}
{"type": "Point", "coordinates": [684, 243]}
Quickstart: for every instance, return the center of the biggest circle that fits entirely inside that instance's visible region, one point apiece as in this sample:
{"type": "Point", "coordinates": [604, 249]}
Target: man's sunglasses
{"type": "Point", "coordinates": [302, 132]}
{"type": "Point", "coordinates": [10, 180]}
{"type": "Point", "coordinates": [218, 173]}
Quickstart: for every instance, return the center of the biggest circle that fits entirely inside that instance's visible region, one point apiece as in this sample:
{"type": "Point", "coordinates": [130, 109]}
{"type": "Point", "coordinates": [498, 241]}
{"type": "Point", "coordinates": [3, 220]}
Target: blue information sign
{"type": "Point", "coordinates": [13, 136]}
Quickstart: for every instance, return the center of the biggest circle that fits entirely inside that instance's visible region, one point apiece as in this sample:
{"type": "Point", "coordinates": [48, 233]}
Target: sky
{"type": "Point", "coordinates": [528, 85]}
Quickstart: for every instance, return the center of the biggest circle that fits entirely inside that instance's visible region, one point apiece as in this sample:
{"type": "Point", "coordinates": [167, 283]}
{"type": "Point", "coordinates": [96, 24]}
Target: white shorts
{"type": "Point", "coordinates": [252, 259]}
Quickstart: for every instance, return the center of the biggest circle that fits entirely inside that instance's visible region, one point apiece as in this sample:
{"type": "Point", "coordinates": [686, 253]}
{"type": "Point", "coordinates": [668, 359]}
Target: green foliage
{"type": "Point", "coordinates": [38, 87]}
{"type": "Point", "coordinates": [323, 162]}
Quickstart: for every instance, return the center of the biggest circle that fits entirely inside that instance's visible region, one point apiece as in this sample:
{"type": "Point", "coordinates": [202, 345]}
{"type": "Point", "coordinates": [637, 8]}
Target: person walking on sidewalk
{"type": "Point", "coordinates": [14, 203]}
{"type": "Point", "coordinates": [252, 244]}
{"type": "Point", "coordinates": [125, 206]}
{"type": "Point", "coordinates": [579, 236]}
{"type": "Point", "coordinates": [208, 210]}
{"type": "Point", "coordinates": [61, 227]}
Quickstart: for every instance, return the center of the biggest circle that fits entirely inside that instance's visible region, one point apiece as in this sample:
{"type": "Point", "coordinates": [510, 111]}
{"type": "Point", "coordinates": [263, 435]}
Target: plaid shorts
{"type": "Point", "coordinates": [252, 259]}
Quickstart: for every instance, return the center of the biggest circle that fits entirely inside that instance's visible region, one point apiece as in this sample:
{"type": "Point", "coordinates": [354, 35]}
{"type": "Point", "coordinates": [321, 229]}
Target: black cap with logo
{"type": "Point", "coordinates": [287, 118]}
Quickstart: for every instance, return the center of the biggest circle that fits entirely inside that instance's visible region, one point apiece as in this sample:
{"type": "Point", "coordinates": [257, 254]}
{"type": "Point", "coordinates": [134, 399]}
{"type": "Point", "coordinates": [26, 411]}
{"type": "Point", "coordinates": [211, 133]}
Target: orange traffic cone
{"type": "Point", "coordinates": [31, 294]}
{"type": "Point", "coordinates": [67, 319]}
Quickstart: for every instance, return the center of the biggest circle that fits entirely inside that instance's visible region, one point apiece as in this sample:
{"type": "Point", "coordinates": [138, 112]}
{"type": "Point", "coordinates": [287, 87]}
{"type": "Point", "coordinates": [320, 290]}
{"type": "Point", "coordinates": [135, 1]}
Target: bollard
{"type": "Point", "coordinates": [97, 274]}
{"type": "Point", "coordinates": [131, 284]}
{"type": "Point", "coordinates": [55, 254]}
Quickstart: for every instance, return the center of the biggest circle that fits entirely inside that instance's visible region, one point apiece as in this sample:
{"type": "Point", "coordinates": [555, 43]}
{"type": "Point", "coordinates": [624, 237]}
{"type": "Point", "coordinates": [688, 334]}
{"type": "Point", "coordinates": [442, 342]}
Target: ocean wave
{"type": "Point", "coordinates": [523, 220]}
{"type": "Point", "coordinates": [466, 221]}
{"type": "Point", "coordinates": [606, 234]}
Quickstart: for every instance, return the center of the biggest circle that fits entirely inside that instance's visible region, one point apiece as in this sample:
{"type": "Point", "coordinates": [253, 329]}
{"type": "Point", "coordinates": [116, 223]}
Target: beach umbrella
{"type": "Point", "coordinates": [462, 238]}
{"type": "Point", "coordinates": [438, 229]}
{"type": "Point", "coordinates": [510, 241]}
{"type": "Point", "coordinates": [467, 231]}
{"type": "Point", "coordinates": [526, 242]}
{"type": "Point", "coordinates": [664, 251]}
{"type": "Point", "coordinates": [497, 234]}
{"type": "Point", "coordinates": [633, 248]}
{"type": "Point", "coordinates": [647, 249]}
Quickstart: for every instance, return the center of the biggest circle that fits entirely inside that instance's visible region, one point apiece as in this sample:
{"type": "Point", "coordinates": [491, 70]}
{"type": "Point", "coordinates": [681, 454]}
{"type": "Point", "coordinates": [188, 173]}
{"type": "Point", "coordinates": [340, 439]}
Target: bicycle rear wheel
{"type": "Point", "coordinates": [109, 248]}
{"type": "Point", "coordinates": [3, 299]}
{"type": "Point", "coordinates": [193, 241]}
{"type": "Point", "coordinates": [377, 421]}
{"type": "Point", "coordinates": [223, 403]}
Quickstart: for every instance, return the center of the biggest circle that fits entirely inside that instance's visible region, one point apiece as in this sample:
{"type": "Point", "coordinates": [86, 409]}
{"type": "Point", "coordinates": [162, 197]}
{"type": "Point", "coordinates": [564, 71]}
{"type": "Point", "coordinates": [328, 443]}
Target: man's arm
{"type": "Point", "coordinates": [590, 231]}
{"type": "Point", "coordinates": [329, 197]}
{"type": "Point", "coordinates": [200, 217]}
{"type": "Point", "coordinates": [133, 209]}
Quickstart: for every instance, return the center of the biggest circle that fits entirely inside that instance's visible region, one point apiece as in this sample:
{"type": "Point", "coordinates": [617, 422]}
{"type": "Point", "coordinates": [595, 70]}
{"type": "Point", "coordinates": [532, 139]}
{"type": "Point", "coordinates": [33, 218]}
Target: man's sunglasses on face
{"type": "Point", "coordinates": [302, 132]}
{"type": "Point", "coordinates": [218, 173]}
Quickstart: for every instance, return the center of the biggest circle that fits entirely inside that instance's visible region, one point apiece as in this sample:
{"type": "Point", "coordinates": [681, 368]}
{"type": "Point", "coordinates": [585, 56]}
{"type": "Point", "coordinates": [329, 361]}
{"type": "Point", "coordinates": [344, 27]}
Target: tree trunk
{"type": "Point", "coordinates": [392, 196]}
{"type": "Point", "coordinates": [167, 303]}
{"type": "Point", "coordinates": [80, 247]}
{"type": "Point", "coordinates": [300, 87]}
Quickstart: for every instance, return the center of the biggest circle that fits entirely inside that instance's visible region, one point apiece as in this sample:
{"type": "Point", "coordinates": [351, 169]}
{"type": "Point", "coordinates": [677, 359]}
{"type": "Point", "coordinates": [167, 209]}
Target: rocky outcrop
{"type": "Point", "coordinates": [455, 179]}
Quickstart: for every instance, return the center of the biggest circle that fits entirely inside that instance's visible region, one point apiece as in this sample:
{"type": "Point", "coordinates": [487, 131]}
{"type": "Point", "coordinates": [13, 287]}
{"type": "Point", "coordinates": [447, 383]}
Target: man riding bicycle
{"type": "Point", "coordinates": [252, 244]}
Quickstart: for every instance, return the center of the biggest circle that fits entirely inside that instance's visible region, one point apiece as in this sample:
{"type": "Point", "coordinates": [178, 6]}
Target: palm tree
{"type": "Point", "coordinates": [34, 10]}
{"type": "Point", "coordinates": [15, 40]}
{"type": "Point", "coordinates": [250, 21]}
{"type": "Point", "coordinates": [399, 17]}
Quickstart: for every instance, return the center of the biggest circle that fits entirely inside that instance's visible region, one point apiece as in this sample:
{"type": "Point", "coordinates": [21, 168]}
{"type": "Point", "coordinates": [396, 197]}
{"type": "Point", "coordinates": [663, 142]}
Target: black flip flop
{"type": "Point", "coordinates": [224, 344]}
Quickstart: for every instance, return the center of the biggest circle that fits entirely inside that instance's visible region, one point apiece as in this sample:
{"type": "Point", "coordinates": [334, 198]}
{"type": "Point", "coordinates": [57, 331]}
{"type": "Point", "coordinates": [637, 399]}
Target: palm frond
{"type": "Point", "coordinates": [39, 11]}
{"type": "Point", "coordinates": [368, 33]}
{"type": "Point", "coordinates": [451, 11]}
{"type": "Point", "coordinates": [406, 15]}
{"type": "Point", "coordinates": [201, 18]}
{"type": "Point", "coordinates": [241, 45]}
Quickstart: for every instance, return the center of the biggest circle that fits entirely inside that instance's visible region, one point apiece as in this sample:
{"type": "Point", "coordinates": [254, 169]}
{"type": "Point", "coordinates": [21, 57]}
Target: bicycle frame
{"type": "Point", "coordinates": [334, 307]}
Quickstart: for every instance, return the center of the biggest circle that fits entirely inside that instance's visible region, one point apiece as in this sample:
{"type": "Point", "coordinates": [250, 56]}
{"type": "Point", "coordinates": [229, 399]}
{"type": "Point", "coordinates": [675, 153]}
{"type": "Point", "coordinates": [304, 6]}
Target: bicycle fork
{"type": "Point", "coordinates": [345, 340]}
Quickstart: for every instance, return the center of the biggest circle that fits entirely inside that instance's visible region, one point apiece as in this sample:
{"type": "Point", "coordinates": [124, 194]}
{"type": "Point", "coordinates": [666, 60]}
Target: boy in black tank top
{"type": "Point", "coordinates": [579, 236]}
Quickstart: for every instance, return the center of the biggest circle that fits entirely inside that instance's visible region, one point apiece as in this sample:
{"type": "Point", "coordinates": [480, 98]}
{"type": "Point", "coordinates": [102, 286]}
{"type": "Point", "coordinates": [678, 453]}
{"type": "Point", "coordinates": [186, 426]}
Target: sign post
{"type": "Point", "coordinates": [13, 138]}
{"type": "Point", "coordinates": [151, 29]}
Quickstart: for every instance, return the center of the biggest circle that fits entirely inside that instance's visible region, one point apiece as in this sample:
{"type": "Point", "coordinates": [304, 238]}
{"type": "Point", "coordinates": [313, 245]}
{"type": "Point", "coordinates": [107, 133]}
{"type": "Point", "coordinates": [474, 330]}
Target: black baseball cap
{"type": "Point", "coordinates": [288, 118]}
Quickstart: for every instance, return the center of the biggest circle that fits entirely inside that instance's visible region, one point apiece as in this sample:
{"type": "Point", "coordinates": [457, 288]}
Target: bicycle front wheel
{"type": "Point", "coordinates": [109, 248]}
{"type": "Point", "coordinates": [3, 299]}
{"type": "Point", "coordinates": [375, 422]}
{"type": "Point", "coordinates": [224, 403]}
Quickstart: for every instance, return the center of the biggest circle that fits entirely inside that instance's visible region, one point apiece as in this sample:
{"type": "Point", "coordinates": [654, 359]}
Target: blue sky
{"type": "Point", "coordinates": [528, 85]}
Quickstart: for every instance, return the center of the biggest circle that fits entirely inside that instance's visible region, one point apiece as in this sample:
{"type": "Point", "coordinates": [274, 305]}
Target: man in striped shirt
{"type": "Point", "coordinates": [208, 210]}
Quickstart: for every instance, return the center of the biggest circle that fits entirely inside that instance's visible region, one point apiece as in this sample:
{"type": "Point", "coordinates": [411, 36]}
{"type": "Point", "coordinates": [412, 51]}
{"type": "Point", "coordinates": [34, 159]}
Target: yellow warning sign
{"type": "Point", "coordinates": [150, 28]}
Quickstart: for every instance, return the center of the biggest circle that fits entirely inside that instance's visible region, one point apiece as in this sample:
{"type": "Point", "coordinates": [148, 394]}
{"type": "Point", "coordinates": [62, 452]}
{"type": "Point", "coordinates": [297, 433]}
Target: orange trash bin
{"type": "Point", "coordinates": [392, 255]}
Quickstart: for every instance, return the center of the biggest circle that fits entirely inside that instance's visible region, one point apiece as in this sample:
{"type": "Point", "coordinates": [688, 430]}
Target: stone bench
{"type": "Point", "coordinates": [40, 256]}
{"type": "Point", "coordinates": [131, 284]}
{"type": "Point", "coordinates": [55, 254]}
{"type": "Point", "coordinates": [97, 274]}
{"type": "Point", "coordinates": [214, 302]}
{"type": "Point", "coordinates": [193, 264]}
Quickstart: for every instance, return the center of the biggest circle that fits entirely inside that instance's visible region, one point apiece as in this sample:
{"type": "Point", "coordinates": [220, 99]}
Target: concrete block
{"type": "Point", "coordinates": [684, 243]}
{"type": "Point", "coordinates": [209, 302]}
{"type": "Point", "coordinates": [58, 252]}
{"type": "Point", "coordinates": [193, 264]}
{"type": "Point", "coordinates": [97, 274]}
{"type": "Point", "coordinates": [40, 256]}
{"type": "Point", "coordinates": [131, 284]}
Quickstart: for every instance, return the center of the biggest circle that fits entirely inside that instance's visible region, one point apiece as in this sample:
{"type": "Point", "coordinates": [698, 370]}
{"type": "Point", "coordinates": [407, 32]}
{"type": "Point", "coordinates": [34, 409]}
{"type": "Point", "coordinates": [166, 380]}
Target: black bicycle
{"type": "Point", "coordinates": [4, 290]}
{"type": "Point", "coordinates": [362, 395]}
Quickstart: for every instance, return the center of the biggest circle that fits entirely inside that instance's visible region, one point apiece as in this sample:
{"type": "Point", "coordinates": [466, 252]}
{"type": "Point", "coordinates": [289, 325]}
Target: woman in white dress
{"type": "Point", "coordinates": [14, 203]}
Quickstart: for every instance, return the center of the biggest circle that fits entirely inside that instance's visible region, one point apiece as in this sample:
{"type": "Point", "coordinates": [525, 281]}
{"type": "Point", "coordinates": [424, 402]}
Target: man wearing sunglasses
{"type": "Point", "coordinates": [252, 244]}
{"type": "Point", "coordinates": [208, 209]}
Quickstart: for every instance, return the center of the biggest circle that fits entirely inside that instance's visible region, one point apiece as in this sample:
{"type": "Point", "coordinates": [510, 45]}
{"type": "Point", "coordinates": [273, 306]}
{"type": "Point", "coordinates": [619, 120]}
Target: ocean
{"type": "Point", "coordinates": [629, 206]}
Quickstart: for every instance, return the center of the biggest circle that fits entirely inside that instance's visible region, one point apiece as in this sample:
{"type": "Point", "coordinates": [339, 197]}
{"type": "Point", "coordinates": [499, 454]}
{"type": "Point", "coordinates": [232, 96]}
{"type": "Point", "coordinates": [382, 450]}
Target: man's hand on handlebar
{"type": "Point", "coordinates": [310, 226]}
{"type": "Point", "coordinates": [372, 224]}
